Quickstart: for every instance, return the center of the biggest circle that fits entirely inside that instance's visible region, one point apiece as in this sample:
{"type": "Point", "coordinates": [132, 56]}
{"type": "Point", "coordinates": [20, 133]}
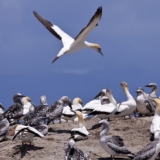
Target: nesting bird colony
{"type": "Point", "coordinates": [33, 121]}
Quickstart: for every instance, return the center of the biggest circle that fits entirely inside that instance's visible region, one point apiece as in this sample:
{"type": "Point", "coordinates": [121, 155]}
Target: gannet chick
{"type": "Point", "coordinates": [15, 111]}
{"type": "Point", "coordinates": [143, 107]}
{"type": "Point", "coordinates": [4, 126]}
{"type": "Point", "coordinates": [42, 108]}
{"type": "Point", "coordinates": [67, 114]}
{"type": "Point", "coordinates": [55, 111]}
{"type": "Point", "coordinates": [26, 133]}
{"type": "Point", "coordinates": [73, 153]}
{"type": "Point", "coordinates": [71, 45]}
{"type": "Point", "coordinates": [149, 152]}
{"type": "Point", "coordinates": [155, 126]}
{"type": "Point", "coordinates": [113, 145]}
{"type": "Point", "coordinates": [127, 107]}
{"type": "Point", "coordinates": [81, 132]}
{"type": "Point", "coordinates": [41, 127]}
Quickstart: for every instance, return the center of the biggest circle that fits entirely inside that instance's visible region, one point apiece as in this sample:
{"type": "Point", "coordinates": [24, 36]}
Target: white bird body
{"type": "Point", "coordinates": [81, 132]}
{"type": "Point", "coordinates": [155, 126]}
{"type": "Point", "coordinates": [68, 114]}
{"type": "Point", "coordinates": [127, 107]}
{"type": "Point", "coordinates": [26, 133]}
{"type": "Point", "coordinates": [71, 45]}
{"type": "Point", "coordinates": [91, 105]}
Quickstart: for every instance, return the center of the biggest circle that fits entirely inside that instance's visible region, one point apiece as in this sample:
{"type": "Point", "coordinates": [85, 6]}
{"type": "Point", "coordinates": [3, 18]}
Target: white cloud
{"type": "Point", "coordinates": [76, 71]}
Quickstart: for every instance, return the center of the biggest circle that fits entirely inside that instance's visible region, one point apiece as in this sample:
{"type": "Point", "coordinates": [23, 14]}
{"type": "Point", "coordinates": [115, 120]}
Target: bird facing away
{"type": "Point", "coordinates": [113, 145]}
{"type": "Point", "coordinates": [71, 45]}
{"type": "Point", "coordinates": [73, 153]}
{"type": "Point", "coordinates": [149, 152]}
{"type": "Point", "coordinates": [26, 133]}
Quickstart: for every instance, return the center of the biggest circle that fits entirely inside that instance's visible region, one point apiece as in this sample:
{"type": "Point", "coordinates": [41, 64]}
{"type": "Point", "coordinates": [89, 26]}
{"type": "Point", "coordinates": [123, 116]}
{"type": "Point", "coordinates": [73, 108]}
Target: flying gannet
{"type": "Point", "coordinates": [71, 45]}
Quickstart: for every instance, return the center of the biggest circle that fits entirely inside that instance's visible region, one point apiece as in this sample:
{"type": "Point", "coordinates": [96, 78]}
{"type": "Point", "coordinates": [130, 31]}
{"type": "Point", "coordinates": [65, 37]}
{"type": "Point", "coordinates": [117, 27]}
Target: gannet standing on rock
{"type": "Point", "coordinates": [67, 114]}
{"type": "Point", "coordinates": [4, 126]}
{"type": "Point", "coordinates": [55, 111]}
{"type": "Point", "coordinates": [26, 133]}
{"type": "Point", "coordinates": [91, 105]}
{"type": "Point", "coordinates": [81, 132]}
{"type": "Point", "coordinates": [149, 152]}
{"type": "Point", "coordinates": [72, 45]}
{"type": "Point", "coordinates": [143, 107]}
{"type": "Point", "coordinates": [106, 109]}
{"type": "Point", "coordinates": [155, 126]}
{"type": "Point", "coordinates": [41, 127]}
{"type": "Point", "coordinates": [73, 153]}
{"type": "Point", "coordinates": [127, 107]}
{"type": "Point", "coordinates": [15, 111]}
{"type": "Point", "coordinates": [112, 144]}
{"type": "Point", "coordinates": [42, 108]}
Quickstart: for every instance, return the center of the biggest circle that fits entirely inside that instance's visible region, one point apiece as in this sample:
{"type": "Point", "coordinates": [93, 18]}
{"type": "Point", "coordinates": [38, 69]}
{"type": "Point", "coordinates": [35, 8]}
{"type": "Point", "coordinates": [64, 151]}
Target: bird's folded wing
{"type": "Point", "coordinates": [122, 150]}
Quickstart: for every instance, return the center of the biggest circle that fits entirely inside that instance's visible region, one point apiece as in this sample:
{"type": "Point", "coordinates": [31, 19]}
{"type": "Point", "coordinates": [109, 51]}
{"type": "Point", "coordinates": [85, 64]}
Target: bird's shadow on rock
{"type": "Point", "coordinates": [59, 131]}
{"type": "Point", "coordinates": [25, 148]}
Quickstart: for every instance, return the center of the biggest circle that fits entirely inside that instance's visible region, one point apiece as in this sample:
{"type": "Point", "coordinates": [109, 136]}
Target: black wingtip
{"type": "Point", "coordinates": [55, 59]}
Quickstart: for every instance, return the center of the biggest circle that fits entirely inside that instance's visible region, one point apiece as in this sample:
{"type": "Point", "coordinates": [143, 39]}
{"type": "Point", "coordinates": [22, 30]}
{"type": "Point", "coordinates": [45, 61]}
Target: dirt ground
{"type": "Point", "coordinates": [135, 133]}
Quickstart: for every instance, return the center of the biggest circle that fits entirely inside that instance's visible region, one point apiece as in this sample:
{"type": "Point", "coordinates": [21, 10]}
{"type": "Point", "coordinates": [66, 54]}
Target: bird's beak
{"type": "Point", "coordinates": [22, 96]}
{"type": "Point", "coordinates": [33, 104]}
{"type": "Point", "coordinates": [55, 59]}
{"type": "Point", "coordinates": [70, 104]}
{"type": "Point", "coordinates": [147, 85]}
{"type": "Point", "coordinates": [99, 50]}
{"type": "Point", "coordinates": [98, 95]}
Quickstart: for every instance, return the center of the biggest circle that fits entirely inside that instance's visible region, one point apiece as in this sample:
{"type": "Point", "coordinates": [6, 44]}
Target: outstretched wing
{"type": "Point", "coordinates": [90, 26]}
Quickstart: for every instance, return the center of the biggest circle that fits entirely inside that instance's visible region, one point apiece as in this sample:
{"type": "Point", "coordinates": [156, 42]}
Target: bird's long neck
{"type": "Point", "coordinates": [104, 130]}
{"type": "Point", "coordinates": [112, 100]}
{"type": "Point", "coordinates": [80, 120]}
{"type": "Point", "coordinates": [154, 91]}
{"type": "Point", "coordinates": [127, 93]}
{"type": "Point", "coordinates": [89, 45]}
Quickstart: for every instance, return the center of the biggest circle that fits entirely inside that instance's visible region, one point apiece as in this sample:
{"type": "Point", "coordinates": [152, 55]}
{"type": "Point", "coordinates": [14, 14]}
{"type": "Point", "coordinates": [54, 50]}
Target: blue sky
{"type": "Point", "coordinates": [128, 33]}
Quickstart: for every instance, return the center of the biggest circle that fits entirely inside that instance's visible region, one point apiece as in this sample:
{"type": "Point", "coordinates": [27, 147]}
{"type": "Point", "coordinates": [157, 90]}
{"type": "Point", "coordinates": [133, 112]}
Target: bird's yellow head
{"type": "Point", "coordinates": [97, 48]}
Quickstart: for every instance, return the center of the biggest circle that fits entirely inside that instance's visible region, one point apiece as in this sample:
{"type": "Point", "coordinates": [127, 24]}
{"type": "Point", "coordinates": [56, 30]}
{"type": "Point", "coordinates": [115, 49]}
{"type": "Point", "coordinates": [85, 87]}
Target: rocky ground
{"type": "Point", "coordinates": [135, 133]}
